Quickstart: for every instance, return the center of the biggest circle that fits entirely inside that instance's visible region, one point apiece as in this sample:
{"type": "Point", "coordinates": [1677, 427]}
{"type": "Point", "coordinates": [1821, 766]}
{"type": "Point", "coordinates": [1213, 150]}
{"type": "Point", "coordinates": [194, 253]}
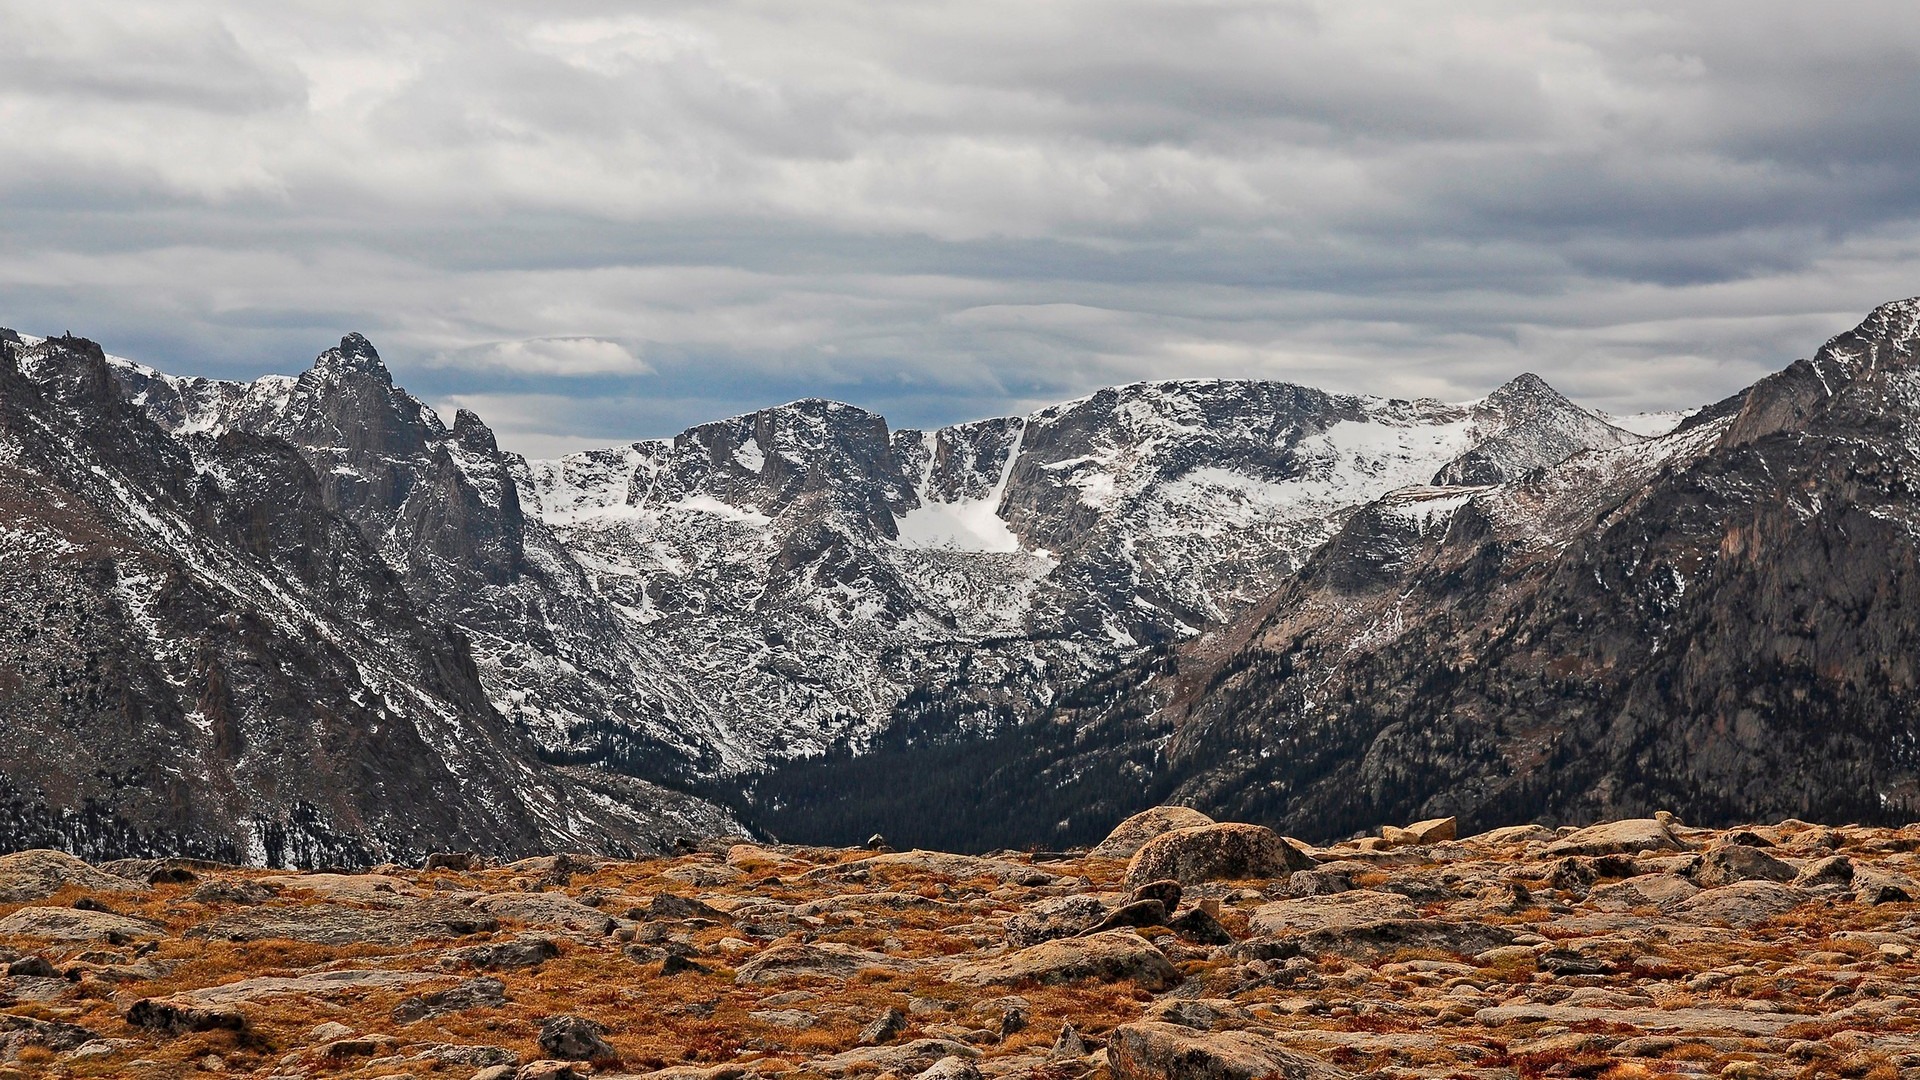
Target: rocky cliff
{"type": "Point", "coordinates": [202, 654]}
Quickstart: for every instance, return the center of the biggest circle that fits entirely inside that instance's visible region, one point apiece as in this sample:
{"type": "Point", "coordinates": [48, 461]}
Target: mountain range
{"type": "Point", "coordinates": [305, 620]}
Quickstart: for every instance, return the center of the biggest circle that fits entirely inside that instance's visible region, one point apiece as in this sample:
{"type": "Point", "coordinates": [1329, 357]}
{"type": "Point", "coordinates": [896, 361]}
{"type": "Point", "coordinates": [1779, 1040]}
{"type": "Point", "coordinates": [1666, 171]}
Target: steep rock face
{"type": "Point", "coordinates": [443, 509]}
{"type": "Point", "coordinates": [201, 656]}
{"type": "Point", "coordinates": [1719, 622]}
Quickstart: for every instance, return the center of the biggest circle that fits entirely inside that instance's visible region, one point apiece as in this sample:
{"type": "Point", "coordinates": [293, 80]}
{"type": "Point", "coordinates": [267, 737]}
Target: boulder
{"type": "Point", "coordinates": [821, 959]}
{"type": "Point", "coordinates": [1200, 927]}
{"type": "Point", "coordinates": [1725, 864]}
{"type": "Point", "coordinates": [1054, 917]}
{"type": "Point", "coordinates": [77, 924]}
{"type": "Point", "coordinates": [1623, 837]}
{"type": "Point", "coordinates": [1201, 1014]}
{"type": "Point", "coordinates": [1141, 913]}
{"type": "Point", "coordinates": [337, 982]}
{"type": "Point", "coordinates": [1742, 904]}
{"type": "Point", "coordinates": [885, 1028]}
{"type": "Point", "coordinates": [1131, 835]}
{"type": "Point", "coordinates": [1167, 891]}
{"type": "Point", "coordinates": [1514, 834]}
{"type": "Point", "coordinates": [1160, 1051]}
{"type": "Point", "coordinates": [1874, 887]}
{"type": "Point", "coordinates": [173, 1016]}
{"type": "Point", "coordinates": [234, 890]}
{"type": "Point", "coordinates": [575, 1038]}
{"type": "Point", "coordinates": [1113, 956]}
{"type": "Point", "coordinates": [481, 993]}
{"type": "Point", "coordinates": [1832, 870]}
{"type": "Point", "coordinates": [19, 1032]}
{"type": "Point", "coordinates": [953, 1067]}
{"type": "Point", "coordinates": [26, 876]}
{"type": "Point", "coordinates": [527, 950]}
{"type": "Point", "coordinates": [1649, 890]}
{"type": "Point", "coordinates": [1431, 831]}
{"type": "Point", "coordinates": [1215, 852]}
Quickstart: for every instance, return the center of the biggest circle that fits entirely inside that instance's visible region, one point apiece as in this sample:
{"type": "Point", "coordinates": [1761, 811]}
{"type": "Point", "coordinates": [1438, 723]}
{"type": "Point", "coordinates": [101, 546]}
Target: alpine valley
{"type": "Point", "coordinates": [306, 621]}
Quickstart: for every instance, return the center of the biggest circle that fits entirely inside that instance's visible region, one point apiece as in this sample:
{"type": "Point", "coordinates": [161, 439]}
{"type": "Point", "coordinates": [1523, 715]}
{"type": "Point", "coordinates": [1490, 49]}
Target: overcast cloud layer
{"type": "Point", "coordinates": [594, 225]}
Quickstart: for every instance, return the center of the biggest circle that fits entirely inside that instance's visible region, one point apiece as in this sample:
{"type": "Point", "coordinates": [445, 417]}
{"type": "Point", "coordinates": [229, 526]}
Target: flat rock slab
{"type": "Point", "coordinates": [359, 888]}
{"type": "Point", "coordinates": [820, 959]}
{"type": "Point", "coordinates": [1367, 941]}
{"type": "Point", "coordinates": [316, 984]}
{"type": "Point", "coordinates": [1742, 904]}
{"type": "Point", "coordinates": [26, 876]}
{"type": "Point", "coordinates": [550, 911]}
{"type": "Point", "coordinates": [941, 864]}
{"type": "Point", "coordinates": [335, 924]}
{"type": "Point", "coordinates": [73, 924]}
{"type": "Point", "coordinates": [1333, 909]}
{"type": "Point", "coordinates": [1682, 1021]}
{"type": "Point", "coordinates": [904, 1058]}
{"type": "Point", "coordinates": [1112, 956]}
{"type": "Point", "coordinates": [1618, 838]}
{"type": "Point", "coordinates": [1157, 1051]}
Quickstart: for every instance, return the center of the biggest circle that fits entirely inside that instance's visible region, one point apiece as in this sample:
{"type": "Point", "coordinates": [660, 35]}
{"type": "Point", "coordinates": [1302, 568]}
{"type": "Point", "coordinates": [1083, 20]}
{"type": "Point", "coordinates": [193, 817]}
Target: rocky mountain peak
{"type": "Point", "coordinates": [354, 354]}
{"type": "Point", "coordinates": [1526, 393]}
{"type": "Point", "coordinates": [1528, 425]}
{"type": "Point", "coordinates": [473, 434]}
{"type": "Point", "coordinates": [1789, 400]}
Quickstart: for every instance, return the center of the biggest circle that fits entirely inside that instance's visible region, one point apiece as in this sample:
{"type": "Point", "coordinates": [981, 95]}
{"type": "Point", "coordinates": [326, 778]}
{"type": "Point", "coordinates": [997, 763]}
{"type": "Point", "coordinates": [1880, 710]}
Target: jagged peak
{"type": "Point", "coordinates": [472, 433]}
{"type": "Point", "coordinates": [354, 354]}
{"type": "Point", "coordinates": [1896, 320]}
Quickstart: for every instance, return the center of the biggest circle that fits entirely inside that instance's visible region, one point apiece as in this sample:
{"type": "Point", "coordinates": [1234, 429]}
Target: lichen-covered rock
{"type": "Point", "coordinates": [1054, 917]}
{"type": "Point", "coordinates": [1624, 837]}
{"type": "Point", "coordinates": [1431, 831]}
{"type": "Point", "coordinates": [74, 924]}
{"type": "Point", "coordinates": [1213, 853]}
{"type": "Point", "coordinates": [1160, 1051]}
{"type": "Point", "coordinates": [1743, 903]}
{"type": "Point", "coordinates": [1725, 864]}
{"type": "Point", "coordinates": [1112, 956]}
{"type": "Point", "coordinates": [1304, 914]}
{"type": "Point", "coordinates": [26, 876]}
{"type": "Point", "coordinates": [575, 1038]}
{"type": "Point", "coordinates": [821, 959]}
{"type": "Point", "coordinates": [1132, 834]}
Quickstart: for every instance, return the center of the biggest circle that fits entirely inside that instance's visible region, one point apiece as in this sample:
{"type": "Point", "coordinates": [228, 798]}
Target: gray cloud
{"type": "Point", "coordinates": [596, 222]}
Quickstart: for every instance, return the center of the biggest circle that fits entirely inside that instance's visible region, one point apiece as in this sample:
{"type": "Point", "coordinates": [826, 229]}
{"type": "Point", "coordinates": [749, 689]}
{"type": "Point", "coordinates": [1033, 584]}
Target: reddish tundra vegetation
{"type": "Point", "coordinates": [1178, 949]}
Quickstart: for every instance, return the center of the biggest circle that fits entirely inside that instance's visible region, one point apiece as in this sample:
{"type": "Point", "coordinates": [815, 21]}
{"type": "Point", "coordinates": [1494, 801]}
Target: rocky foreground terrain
{"type": "Point", "coordinates": [1178, 948]}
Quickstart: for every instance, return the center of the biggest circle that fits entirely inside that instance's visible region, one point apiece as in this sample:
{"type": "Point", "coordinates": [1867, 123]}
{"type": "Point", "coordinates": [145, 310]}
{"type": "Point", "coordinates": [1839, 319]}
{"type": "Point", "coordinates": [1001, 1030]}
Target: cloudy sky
{"type": "Point", "coordinates": [594, 221]}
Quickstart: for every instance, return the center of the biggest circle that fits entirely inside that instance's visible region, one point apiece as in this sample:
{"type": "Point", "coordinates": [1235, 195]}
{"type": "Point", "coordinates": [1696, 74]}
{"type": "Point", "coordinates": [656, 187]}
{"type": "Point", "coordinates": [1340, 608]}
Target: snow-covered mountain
{"type": "Point", "coordinates": [201, 653]}
{"type": "Point", "coordinates": [817, 579]}
{"type": "Point", "coordinates": [805, 579]}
